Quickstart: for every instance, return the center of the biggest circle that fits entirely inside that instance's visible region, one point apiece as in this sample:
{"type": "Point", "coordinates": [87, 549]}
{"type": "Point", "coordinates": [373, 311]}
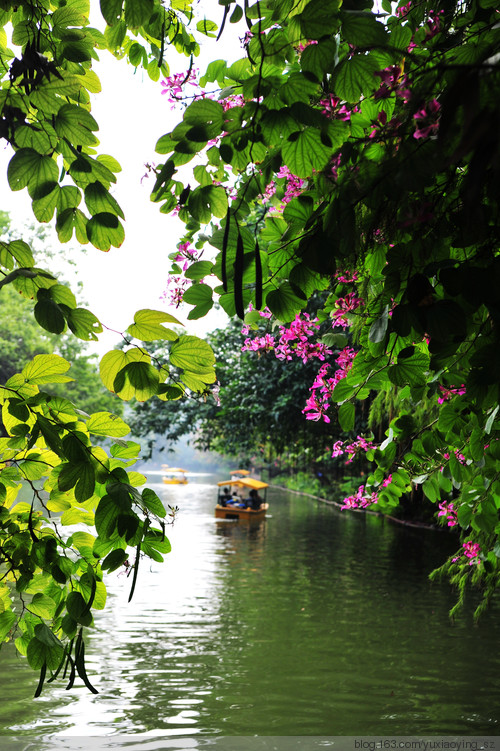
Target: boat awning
{"type": "Point", "coordinates": [240, 472]}
{"type": "Point", "coordinates": [168, 470]}
{"type": "Point", "coordinates": [245, 482]}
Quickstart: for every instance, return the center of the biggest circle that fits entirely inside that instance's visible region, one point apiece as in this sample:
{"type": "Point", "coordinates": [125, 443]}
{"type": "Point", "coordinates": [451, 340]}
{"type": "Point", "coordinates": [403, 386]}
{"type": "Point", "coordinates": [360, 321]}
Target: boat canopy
{"type": "Point", "coordinates": [245, 482]}
{"type": "Point", "coordinates": [240, 472]}
{"type": "Point", "coordinates": [173, 469]}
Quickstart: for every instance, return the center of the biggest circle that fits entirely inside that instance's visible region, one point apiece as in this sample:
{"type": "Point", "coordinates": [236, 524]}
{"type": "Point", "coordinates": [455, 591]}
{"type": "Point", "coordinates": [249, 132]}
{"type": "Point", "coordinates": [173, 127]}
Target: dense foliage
{"type": "Point", "coordinates": [256, 417]}
{"type": "Point", "coordinates": [348, 152]}
{"type": "Point", "coordinates": [358, 153]}
{"type": "Point", "coordinates": [56, 479]}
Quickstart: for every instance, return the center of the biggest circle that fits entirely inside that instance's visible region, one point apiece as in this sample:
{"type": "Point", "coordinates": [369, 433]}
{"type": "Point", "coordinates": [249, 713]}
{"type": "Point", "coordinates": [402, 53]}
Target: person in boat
{"type": "Point", "coordinates": [226, 497]}
{"type": "Point", "coordinates": [254, 501]}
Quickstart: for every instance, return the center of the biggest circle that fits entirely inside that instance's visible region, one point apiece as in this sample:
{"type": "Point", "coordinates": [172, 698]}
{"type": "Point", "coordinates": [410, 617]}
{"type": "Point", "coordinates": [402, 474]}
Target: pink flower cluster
{"type": "Point", "coordinates": [360, 499]}
{"type": "Point", "coordinates": [433, 23]}
{"type": "Point", "coordinates": [346, 305]}
{"type": "Point", "coordinates": [173, 86]}
{"type": "Point", "coordinates": [449, 393]}
{"type": "Point", "coordinates": [294, 340]}
{"type": "Point", "coordinates": [393, 80]}
{"type": "Point", "coordinates": [176, 284]}
{"type": "Point", "coordinates": [448, 510]}
{"type": "Point", "coordinates": [403, 10]}
{"type": "Point", "coordinates": [460, 457]}
{"type": "Point", "coordinates": [293, 187]}
{"type": "Point", "coordinates": [334, 108]}
{"type": "Point", "coordinates": [352, 449]}
{"type": "Point", "coordinates": [427, 119]}
{"type": "Point", "coordinates": [471, 551]}
{"type": "Point", "coordinates": [318, 403]}
{"type": "Point", "coordinates": [346, 276]}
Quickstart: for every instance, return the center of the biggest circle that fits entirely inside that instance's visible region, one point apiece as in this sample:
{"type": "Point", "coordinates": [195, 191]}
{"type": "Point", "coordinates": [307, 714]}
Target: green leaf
{"type": "Point", "coordinates": [111, 11]}
{"type": "Point", "coordinates": [80, 476]}
{"type": "Point", "coordinates": [199, 270]}
{"type": "Point", "coordinates": [153, 503]}
{"type": "Point", "coordinates": [306, 153]}
{"type": "Point", "coordinates": [346, 416]}
{"type": "Point", "coordinates": [7, 621]}
{"type": "Point", "coordinates": [207, 201]}
{"type": "Point", "coordinates": [42, 605]}
{"type": "Point", "coordinates": [114, 560]}
{"type": "Point", "coordinates": [77, 608]}
{"type": "Point", "coordinates": [45, 368]}
{"type": "Point", "coordinates": [49, 316]}
{"type": "Point", "coordinates": [356, 76]}
{"type": "Point", "coordinates": [148, 326]}
{"type": "Point", "coordinates": [409, 370]}
{"type": "Point", "coordinates": [363, 30]}
{"type": "Point", "coordinates": [319, 58]}
{"type": "Point", "coordinates": [105, 230]}
{"type": "Point", "coordinates": [139, 379]}
{"type": "Point", "coordinates": [198, 294]}
{"type": "Point", "coordinates": [192, 354]}
{"type": "Point", "coordinates": [76, 124]}
{"type": "Point", "coordinates": [378, 329]}
{"type": "Point", "coordinates": [138, 12]}
{"type": "Point", "coordinates": [28, 168]}
{"type": "Point", "coordinates": [83, 324]}
{"type": "Point", "coordinates": [99, 200]}
{"type": "Point", "coordinates": [107, 424]}
{"type": "Point", "coordinates": [207, 27]}
{"type": "Point", "coordinates": [39, 654]}
{"type": "Point", "coordinates": [284, 303]}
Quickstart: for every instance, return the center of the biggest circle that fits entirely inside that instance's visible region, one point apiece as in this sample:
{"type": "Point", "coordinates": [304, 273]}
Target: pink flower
{"type": "Point", "coordinates": [448, 393]}
{"type": "Point", "coordinates": [427, 120]}
{"type": "Point", "coordinates": [337, 449]}
{"type": "Point", "coordinates": [471, 551]}
{"type": "Point", "coordinates": [360, 499]}
{"type": "Point", "coordinates": [447, 509]}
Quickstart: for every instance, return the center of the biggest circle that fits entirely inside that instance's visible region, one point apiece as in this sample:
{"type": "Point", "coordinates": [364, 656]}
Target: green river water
{"type": "Point", "coordinates": [314, 622]}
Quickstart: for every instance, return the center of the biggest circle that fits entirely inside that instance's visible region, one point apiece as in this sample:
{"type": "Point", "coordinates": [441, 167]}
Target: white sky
{"type": "Point", "coordinates": [132, 115]}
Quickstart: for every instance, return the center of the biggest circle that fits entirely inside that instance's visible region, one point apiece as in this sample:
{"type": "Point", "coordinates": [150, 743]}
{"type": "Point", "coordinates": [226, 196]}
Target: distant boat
{"type": "Point", "coordinates": [235, 473]}
{"type": "Point", "coordinates": [234, 508]}
{"type": "Point", "coordinates": [174, 475]}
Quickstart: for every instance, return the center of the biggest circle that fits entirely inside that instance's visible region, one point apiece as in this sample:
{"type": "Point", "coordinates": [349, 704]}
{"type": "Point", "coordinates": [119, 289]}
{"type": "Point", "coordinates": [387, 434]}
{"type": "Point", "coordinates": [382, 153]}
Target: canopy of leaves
{"type": "Point", "coordinates": [366, 146]}
{"type": "Point", "coordinates": [53, 412]}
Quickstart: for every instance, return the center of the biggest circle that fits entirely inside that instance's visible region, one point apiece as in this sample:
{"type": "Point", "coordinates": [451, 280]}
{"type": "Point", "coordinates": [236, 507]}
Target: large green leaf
{"type": "Point", "coordinates": [137, 379]}
{"type": "Point", "coordinates": [107, 424]}
{"type": "Point", "coordinates": [319, 58]}
{"type": "Point", "coordinates": [138, 12]}
{"type": "Point", "coordinates": [105, 230]}
{"type": "Point", "coordinates": [45, 368]}
{"type": "Point", "coordinates": [28, 168]}
{"type": "Point", "coordinates": [305, 152]}
{"type": "Point", "coordinates": [284, 303]}
{"type": "Point", "coordinates": [192, 354]}
{"type": "Point", "coordinates": [363, 30]}
{"type": "Point", "coordinates": [148, 326]}
{"type": "Point", "coordinates": [99, 200]}
{"type": "Point", "coordinates": [356, 76]}
{"type": "Point", "coordinates": [76, 124]}
{"type": "Point", "coordinates": [111, 10]}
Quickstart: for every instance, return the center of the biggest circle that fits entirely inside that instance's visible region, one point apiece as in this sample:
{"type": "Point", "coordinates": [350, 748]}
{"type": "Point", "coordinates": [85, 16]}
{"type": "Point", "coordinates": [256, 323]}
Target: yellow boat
{"type": "Point", "coordinates": [174, 476]}
{"type": "Point", "coordinates": [231, 510]}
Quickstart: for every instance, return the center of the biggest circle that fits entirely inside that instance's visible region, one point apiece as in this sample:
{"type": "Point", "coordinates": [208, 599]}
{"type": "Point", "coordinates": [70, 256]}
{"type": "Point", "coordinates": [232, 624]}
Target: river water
{"type": "Point", "coordinates": [314, 622]}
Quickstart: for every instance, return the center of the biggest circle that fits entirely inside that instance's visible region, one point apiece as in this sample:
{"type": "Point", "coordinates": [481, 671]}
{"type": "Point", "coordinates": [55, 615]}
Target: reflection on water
{"type": "Point", "coordinates": [310, 623]}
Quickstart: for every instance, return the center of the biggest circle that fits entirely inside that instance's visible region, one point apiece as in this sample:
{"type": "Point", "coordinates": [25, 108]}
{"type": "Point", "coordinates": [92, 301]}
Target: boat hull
{"type": "Point", "coordinates": [174, 482]}
{"type": "Point", "coordinates": [244, 514]}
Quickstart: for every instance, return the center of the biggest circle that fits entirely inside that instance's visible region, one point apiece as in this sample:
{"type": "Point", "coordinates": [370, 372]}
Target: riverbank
{"type": "Point", "coordinates": [393, 519]}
